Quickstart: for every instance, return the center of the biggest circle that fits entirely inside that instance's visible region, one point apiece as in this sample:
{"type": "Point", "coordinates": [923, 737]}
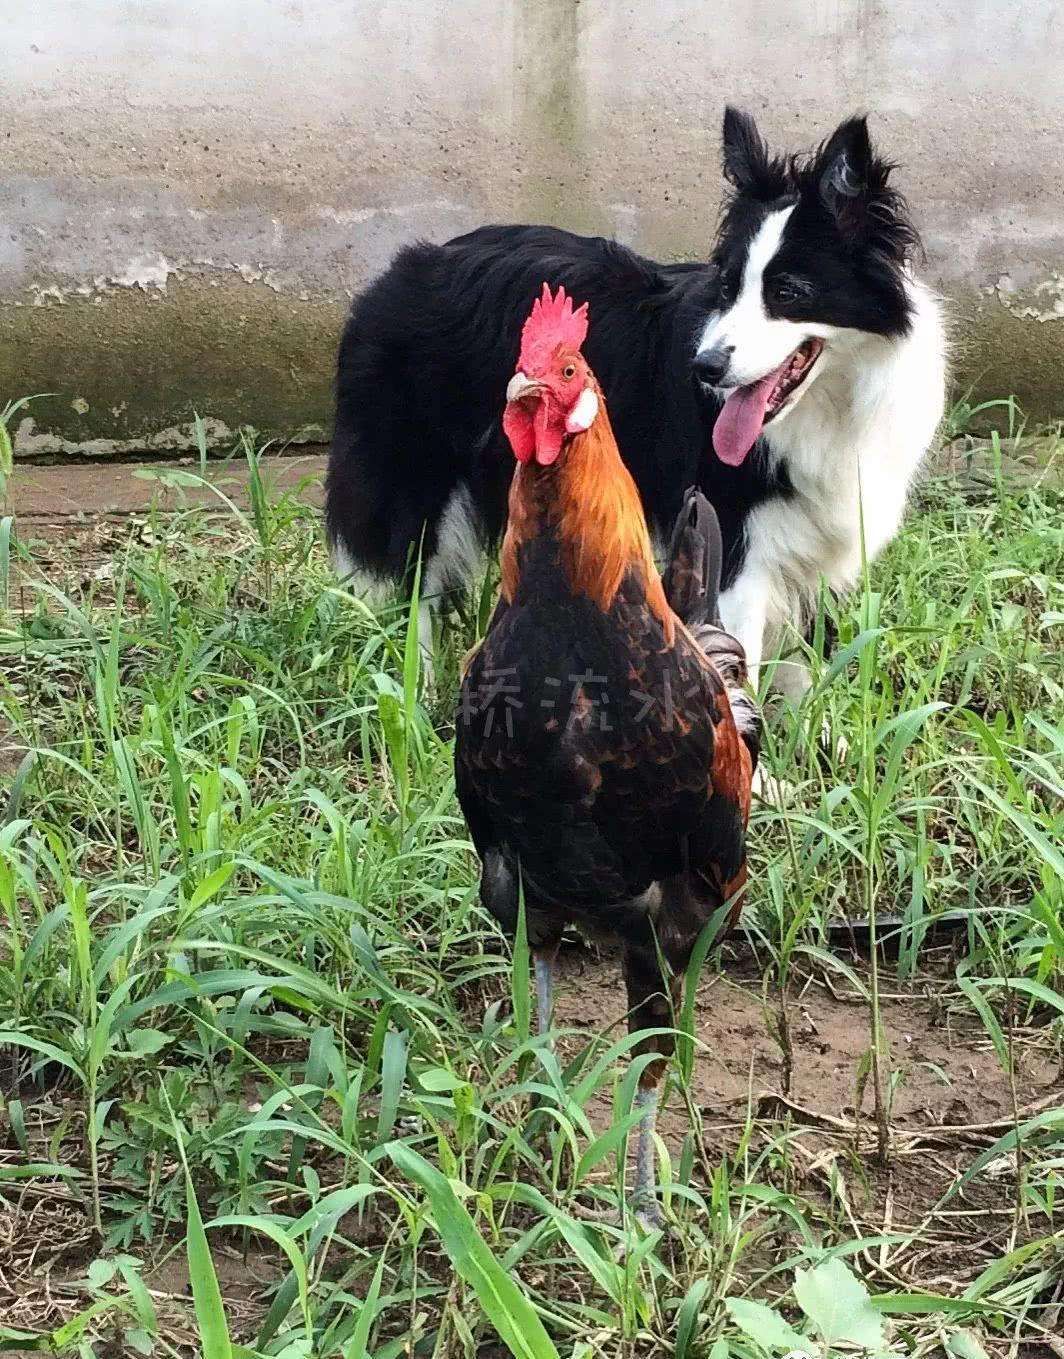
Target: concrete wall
{"type": "Point", "coordinates": [191, 189]}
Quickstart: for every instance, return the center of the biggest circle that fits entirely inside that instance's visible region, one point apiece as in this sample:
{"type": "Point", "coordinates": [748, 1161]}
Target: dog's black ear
{"type": "Point", "coordinates": [853, 185]}
{"type": "Point", "coordinates": [845, 168]}
{"type": "Point", "coordinates": [746, 159]}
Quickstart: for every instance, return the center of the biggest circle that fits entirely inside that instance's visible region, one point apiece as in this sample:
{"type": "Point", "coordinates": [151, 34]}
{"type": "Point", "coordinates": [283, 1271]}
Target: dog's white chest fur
{"type": "Point", "coordinates": [851, 446]}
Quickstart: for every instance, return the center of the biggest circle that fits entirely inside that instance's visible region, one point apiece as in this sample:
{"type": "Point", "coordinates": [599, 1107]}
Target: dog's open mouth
{"type": "Point", "coordinates": [791, 376]}
{"type": "Point", "coordinates": [748, 409]}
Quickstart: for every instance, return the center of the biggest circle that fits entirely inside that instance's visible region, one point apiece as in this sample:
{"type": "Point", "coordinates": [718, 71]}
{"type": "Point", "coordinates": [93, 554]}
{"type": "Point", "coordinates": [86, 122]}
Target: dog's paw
{"type": "Point", "coordinates": [836, 748]}
{"type": "Point", "coordinates": [771, 790]}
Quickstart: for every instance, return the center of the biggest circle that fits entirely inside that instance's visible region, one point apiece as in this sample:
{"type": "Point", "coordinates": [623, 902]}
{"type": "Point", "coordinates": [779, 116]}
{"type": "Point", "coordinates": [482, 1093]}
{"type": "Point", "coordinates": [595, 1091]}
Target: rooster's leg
{"type": "Point", "coordinates": [651, 1005]}
{"type": "Point", "coordinates": [544, 991]}
{"type": "Point", "coordinates": [644, 1200]}
{"type": "Point", "coordinates": [544, 967]}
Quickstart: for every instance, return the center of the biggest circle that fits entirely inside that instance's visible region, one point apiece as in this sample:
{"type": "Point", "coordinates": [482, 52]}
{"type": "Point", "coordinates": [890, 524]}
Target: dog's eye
{"type": "Point", "coordinates": [569, 371]}
{"type": "Point", "coordinates": [784, 290]}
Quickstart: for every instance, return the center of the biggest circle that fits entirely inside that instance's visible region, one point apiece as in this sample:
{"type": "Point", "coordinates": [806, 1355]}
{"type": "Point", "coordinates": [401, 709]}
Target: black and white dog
{"type": "Point", "coordinates": [796, 378]}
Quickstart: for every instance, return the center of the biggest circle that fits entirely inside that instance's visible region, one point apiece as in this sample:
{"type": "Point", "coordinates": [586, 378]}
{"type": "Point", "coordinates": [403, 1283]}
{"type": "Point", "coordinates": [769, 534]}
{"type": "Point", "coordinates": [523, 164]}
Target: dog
{"type": "Point", "coordinates": [797, 379]}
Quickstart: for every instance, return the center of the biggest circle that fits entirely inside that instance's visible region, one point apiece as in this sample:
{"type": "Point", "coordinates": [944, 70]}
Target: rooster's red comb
{"type": "Point", "coordinates": [552, 323]}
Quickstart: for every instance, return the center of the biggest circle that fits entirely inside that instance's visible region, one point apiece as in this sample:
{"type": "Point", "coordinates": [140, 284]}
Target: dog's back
{"type": "Point", "coordinates": [423, 366]}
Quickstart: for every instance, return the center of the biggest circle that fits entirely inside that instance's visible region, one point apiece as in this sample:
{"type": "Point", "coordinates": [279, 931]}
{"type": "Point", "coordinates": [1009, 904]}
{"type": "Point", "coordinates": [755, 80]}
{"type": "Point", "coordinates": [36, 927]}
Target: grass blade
{"type": "Point", "coordinates": [504, 1304]}
{"type": "Point", "coordinates": [206, 1293]}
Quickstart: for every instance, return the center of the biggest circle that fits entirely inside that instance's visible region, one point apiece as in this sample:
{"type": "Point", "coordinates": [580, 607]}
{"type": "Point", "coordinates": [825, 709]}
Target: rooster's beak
{"type": "Point", "coordinates": [521, 386]}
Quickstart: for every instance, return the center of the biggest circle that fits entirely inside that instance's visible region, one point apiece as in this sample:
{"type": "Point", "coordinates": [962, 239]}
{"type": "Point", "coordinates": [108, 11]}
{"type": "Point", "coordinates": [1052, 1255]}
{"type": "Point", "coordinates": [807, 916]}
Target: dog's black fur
{"type": "Point", "coordinates": [431, 345]}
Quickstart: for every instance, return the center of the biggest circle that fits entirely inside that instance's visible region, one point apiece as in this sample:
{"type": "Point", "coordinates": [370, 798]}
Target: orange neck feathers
{"type": "Point", "coordinates": [590, 501]}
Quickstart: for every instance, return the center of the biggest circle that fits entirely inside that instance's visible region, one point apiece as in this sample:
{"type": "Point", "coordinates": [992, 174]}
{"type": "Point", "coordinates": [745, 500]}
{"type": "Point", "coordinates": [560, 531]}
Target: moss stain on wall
{"type": "Point", "coordinates": [129, 369]}
{"type": "Point", "coordinates": [551, 118]}
{"type": "Point", "coordinates": [1000, 351]}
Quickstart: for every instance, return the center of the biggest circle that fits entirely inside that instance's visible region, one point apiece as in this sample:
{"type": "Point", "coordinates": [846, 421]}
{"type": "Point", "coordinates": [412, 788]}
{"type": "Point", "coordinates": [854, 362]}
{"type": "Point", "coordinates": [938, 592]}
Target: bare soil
{"type": "Point", "coordinates": [66, 491]}
{"type": "Point", "coordinates": [951, 1101]}
{"type": "Point", "coordinates": [949, 1073]}
{"type": "Point", "coordinates": [78, 516]}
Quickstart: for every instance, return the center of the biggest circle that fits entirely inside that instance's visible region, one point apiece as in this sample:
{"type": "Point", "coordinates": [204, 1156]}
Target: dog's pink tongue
{"type": "Point", "coordinates": [740, 420]}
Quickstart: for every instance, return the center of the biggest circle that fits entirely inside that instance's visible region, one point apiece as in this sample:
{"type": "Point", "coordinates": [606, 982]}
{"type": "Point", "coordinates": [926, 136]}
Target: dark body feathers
{"type": "Point", "coordinates": [600, 761]}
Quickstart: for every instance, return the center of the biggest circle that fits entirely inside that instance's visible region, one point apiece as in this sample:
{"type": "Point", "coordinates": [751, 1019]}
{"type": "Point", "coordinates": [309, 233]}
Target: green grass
{"type": "Point", "coordinates": [254, 1017]}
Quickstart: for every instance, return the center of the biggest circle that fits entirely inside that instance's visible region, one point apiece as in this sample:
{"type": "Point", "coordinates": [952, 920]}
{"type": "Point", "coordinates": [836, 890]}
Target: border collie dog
{"type": "Point", "coordinates": [797, 379]}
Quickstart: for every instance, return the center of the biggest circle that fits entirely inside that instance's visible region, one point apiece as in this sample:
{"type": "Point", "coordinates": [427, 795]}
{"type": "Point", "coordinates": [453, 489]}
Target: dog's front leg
{"type": "Point", "coordinates": [744, 613]}
{"type": "Point", "coordinates": [791, 678]}
{"type": "Point", "coordinates": [426, 643]}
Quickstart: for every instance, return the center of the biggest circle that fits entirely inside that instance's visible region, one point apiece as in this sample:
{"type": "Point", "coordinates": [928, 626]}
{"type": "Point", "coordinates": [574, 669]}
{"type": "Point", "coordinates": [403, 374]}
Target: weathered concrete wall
{"type": "Point", "coordinates": [191, 189]}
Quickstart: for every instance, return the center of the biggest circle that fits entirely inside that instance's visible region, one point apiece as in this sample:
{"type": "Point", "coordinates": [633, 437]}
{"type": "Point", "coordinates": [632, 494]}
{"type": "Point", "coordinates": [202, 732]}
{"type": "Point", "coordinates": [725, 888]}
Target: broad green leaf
{"type": "Point", "coordinates": [49, 1050]}
{"type": "Point", "coordinates": [927, 1304]}
{"type": "Point", "coordinates": [688, 1316]}
{"type": "Point", "coordinates": [685, 1044]}
{"type": "Point", "coordinates": [606, 1143]}
{"type": "Point", "coordinates": [965, 1345]}
{"type": "Point", "coordinates": [280, 1237]}
{"type": "Point", "coordinates": [25, 1340]}
{"type": "Point", "coordinates": [7, 451]}
{"type": "Point", "coordinates": [358, 1346]}
{"type": "Point", "coordinates": [838, 1304]}
{"type": "Point", "coordinates": [130, 1270]}
{"type": "Point", "coordinates": [520, 985]}
{"type": "Point", "coordinates": [147, 1042]}
{"type": "Point", "coordinates": [766, 1327]}
{"type": "Point", "coordinates": [206, 1294]}
{"type": "Point", "coordinates": [211, 885]}
{"type": "Point", "coordinates": [31, 1170]}
{"type": "Point", "coordinates": [438, 1080]}
{"type": "Point", "coordinates": [393, 1075]}
{"type": "Point", "coordinates": [1035, 989]}
{"type": "Point", "coordinates": [100, 1272]}
{"type": "Point", "coordinates": [990, 1023]}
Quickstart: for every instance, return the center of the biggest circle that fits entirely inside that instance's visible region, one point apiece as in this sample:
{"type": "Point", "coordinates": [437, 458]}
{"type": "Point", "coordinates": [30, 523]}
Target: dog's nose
{"type": "Point", "coordinates": [712, 364]}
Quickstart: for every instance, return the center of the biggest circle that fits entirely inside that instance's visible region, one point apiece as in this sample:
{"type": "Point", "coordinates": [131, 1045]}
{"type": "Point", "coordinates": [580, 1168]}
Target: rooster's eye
{"type": "Point", "coordinates": [569, 371]}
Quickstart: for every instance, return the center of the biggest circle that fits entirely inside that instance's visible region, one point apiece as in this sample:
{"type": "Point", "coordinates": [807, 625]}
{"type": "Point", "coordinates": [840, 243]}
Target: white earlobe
{"type": "Point", "coordinates": [582, 416]}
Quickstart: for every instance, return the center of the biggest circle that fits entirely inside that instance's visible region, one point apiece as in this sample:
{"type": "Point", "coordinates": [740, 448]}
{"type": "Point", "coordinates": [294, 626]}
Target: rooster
{"type": "Point", "coordinates": [605, 743]}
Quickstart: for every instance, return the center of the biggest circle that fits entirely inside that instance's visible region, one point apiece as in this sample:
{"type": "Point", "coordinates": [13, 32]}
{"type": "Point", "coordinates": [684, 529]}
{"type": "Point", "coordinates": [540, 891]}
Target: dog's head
{"type": "Point", "coordinates": [809, 247]}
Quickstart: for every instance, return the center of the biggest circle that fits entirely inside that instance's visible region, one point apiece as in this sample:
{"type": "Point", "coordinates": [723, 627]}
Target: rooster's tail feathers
{"type": "Point", "coordinates": [696, 556]}
{"type": "Point", "coordinates": [692, 587]}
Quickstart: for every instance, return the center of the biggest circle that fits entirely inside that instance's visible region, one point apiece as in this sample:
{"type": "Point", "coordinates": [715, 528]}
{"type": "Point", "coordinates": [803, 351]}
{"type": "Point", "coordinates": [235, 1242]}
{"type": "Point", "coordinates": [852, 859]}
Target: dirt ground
{"type": "Point", "coordinates": [69, 490]}
{"type": "Point", "coordinates": [951, 1100]}
{"type": "Point", "coordinates": [76, 516]}
{"type": "Point", "coordinates": [949, 1074]}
